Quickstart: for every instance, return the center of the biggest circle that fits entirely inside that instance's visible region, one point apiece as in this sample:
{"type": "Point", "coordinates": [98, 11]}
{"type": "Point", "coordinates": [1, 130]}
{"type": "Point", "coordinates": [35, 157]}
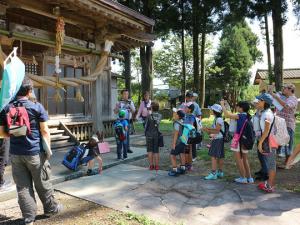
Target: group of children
{"type": "Point", "coordinates": [241, 133]}
{"type": "Point", "coordinates": [244, 135]}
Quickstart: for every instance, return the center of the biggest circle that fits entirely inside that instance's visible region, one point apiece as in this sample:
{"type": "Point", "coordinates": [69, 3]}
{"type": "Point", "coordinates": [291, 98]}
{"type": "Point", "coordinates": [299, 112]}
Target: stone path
{"type": "Point", "coordinates": [185, 199]}
{"type": "Point", "coordinates": [60, 173]}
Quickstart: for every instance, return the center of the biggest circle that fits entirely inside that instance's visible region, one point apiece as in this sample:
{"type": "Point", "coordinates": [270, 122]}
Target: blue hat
{"type": "Point", "coordinates": [266, 98]}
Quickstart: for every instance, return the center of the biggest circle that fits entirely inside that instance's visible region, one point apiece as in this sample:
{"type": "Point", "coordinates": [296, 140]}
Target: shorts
{"type": "Point", "coordinates": [152, 144]}
{"type": "Point", "coordinates": [238, 149]}
{"type": "Point", "coordinates": [217, 148]}
{"type": "Point", "coordinates": [187, 149]}
{"type": "Point", "coordinates": [179, 149]}
{"type": "Point", "coordinates": [271, 160]}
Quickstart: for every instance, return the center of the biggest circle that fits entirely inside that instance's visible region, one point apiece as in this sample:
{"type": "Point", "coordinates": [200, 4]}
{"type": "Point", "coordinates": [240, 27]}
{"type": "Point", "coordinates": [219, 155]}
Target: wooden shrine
{"type": "Point", "coordinates": [67, 47]}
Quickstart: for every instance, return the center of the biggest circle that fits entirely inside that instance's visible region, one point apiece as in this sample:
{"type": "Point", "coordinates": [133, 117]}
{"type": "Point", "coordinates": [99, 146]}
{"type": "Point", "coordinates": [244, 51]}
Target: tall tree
{"type": "Point", "coordinates": [236, 54]}
{"type": "Point", "coordinates": [210, 21]}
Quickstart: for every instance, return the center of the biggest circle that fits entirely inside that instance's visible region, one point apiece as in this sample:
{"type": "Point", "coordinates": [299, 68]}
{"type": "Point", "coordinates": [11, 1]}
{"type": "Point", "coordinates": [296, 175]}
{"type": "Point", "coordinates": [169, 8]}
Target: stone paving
{"type": "Point", "coordinates": [185, 199]}
{"type": "Point", "coordinates": [60, 173]}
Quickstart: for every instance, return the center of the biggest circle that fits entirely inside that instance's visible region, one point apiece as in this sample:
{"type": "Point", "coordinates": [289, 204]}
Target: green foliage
{"type": "Point", "coordinates": [168, 63]}
{"type": "Point", "coordinates": [249, 93]}
{"type": "Point", "coordinates": [236, 54]}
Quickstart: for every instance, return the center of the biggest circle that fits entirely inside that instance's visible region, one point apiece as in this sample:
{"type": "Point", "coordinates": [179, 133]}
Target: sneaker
{"type": "Point", "coordinates": [181, 171]}
{"type": "Point", "coordinates": [266, 187]}
{"type": "Point", "coordinates": [250, 180]}
{"type": "Point", "coordinates": [151, 167]}
{"type": "Point", "coordinates": [129, 151]}
{"type": "Point", "coordinates": [211, 176]}
{"type": "Point", "coordinates": [156, 167]}
{"type": "Point", "coordinates": [189, 167]}
{"type": "Point", "coordinates": [173, 173]}
{"type": "Point", "coordinates": [58, 210]}
{"type": "Point", "coordinates": [91, 172]}
{"type": "Point", "coordinates": [220, 174]}
{"type": "Point", "coordinates": [241, 180]}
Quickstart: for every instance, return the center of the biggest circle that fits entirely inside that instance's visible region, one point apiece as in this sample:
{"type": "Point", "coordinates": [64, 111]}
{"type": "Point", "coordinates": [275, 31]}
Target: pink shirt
{"type": "Point", "coordinates": [143, 109]}
{"type": "Point", "coordinates": [288, 112]}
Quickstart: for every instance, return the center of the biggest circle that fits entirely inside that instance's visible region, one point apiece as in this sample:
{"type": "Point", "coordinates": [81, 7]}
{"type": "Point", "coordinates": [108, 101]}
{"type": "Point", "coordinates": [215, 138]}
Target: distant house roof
{"type": "Point", "coordinates": [293, 73]}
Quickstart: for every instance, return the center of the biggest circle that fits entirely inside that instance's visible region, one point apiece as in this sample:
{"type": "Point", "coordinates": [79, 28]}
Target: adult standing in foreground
{"type": "Point", "coordinates": [288, 113]}
{"type": "Point", "coordinates": [128, 106]}
{"type": "Point", "coordinates": [29, 163]}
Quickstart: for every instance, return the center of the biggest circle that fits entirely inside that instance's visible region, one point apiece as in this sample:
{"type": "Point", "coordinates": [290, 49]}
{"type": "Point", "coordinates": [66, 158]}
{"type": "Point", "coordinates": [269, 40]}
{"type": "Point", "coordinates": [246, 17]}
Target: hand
{"type": "Point", "coordinates": [205, 129]}
{"type": "Point", "coordinates": [259, 147]}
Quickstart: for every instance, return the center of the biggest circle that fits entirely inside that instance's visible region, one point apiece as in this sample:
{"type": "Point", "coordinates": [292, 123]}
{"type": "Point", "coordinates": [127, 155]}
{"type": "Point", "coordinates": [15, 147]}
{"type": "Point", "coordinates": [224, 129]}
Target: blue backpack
{"type": "Point", "coordinates": [119, 130]}
{"type": "Point", "coordinates": [189, 134]}
{"type": "Point", "coordinates": [72, 159]}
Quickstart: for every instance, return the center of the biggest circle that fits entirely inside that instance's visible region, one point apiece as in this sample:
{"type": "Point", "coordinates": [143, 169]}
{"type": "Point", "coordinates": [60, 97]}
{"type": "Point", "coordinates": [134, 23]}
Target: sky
{"type": "Point", "coordinates": [291, 42]}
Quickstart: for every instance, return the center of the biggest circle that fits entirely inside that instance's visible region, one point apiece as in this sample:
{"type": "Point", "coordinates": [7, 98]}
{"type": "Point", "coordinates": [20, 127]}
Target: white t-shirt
{"type": "Point", "coordinates": [266, 115]}
{"type": "Point", "coordinates": [220, 121]}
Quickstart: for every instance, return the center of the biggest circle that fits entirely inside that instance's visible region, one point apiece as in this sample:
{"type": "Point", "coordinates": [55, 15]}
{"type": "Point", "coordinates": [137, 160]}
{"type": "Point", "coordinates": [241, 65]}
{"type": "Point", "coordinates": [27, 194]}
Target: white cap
{"type": "Point", "coordinates": [216, 108]}
{"type": "Point", "coordinates": [195, 94]}
{"type": "Point", "coordinates": [95, 138]}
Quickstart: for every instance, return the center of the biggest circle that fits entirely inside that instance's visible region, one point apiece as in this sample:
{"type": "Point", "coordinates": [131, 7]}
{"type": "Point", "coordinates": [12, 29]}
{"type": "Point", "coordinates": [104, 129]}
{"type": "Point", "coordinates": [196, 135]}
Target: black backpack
{"type": "Point", "coordinates": [247, 138]}
{"type": "Point", "coordinates": [226, 134]}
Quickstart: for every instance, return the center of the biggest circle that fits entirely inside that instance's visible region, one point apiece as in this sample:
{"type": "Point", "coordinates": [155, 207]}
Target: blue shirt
{"type": "Point", "coordinates": [197, 109]}
{"type": "Point", "coordinates": [31, 143]}
{"type": "Point", "coordinates": [240, 122]}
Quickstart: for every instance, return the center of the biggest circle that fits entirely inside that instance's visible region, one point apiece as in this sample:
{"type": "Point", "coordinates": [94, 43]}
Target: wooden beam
{"type": "Point", "coordinates": [38, 7]}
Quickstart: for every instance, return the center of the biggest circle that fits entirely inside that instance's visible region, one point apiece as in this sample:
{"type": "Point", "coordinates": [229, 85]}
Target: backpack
{"type": "Point", "coordinates": [189, 134]}
{"type": "Point", "coordinates": [226, 134]}
{"type": "Point", "coordinates": [18, 123]}
{"type": "Point", "coordinates": [119, 130]}
{"type": "Point", "coordinates": [281, 134]}
{"type": "Point", "coordinates": [151, 127]}
{"type": "Point", "coordinates": [73, 157]}
{"type": "Point", "coordinates": [247, 138]}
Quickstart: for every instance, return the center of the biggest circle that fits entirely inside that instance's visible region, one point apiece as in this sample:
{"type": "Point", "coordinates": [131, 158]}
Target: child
{"type": "Point", "coordinates": [152, 136]}
{"type": "Point", "coordinates": [262, 174]}
{"type": "Point", "coordinates": [240, 154]}
{"type": "Point", "coordinates": [121, 129]}
{"type": "Point", "coordinates": [177, 146]}
{"type": "Point", "coordinates": [266, 122]}
{"type": "Point", "coordinates": [189, 119]}
{"type": "Point", "coordinates": [92, 152]}
{"type": "Point", "coordinates": [216, 149]}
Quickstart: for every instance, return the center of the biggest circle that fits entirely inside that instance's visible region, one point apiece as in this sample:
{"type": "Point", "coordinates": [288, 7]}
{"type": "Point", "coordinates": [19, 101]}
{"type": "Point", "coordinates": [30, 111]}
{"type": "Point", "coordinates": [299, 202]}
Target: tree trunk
{"type": "Point", "coordinates": [183, 87]}
{"type": "Point", "coordinates": [127, 70]}
{"type": "Point", "coordinates": [278, 43]}
{"type": "Point", "coordinates": [270, 73]}
{"type": "Point", "coordinates": [195, 46]}
{"type": "Point", "coordinates": [202, 79]}
{"type": "Point", "coordinates": [146, 64]}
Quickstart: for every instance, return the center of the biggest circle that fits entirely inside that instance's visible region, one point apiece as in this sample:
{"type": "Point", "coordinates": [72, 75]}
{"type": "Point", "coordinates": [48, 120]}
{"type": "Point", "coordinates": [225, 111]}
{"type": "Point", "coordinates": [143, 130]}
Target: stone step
{"type": "Point", "coordinates": [55, 131]}
{"type": "Point", "coordinates": [55, 146]}
{"type": "Point", "coordinates": [56, 138]}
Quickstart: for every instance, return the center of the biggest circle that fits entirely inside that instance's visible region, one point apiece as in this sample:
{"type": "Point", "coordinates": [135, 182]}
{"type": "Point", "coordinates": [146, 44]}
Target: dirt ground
{"type": "Point", "coordinates": [76, 212]}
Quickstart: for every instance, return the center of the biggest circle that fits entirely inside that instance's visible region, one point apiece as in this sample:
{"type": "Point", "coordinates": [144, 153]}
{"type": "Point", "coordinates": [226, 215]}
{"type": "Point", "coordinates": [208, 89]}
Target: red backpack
{"type": "Point", "coordinates": [18, 123]}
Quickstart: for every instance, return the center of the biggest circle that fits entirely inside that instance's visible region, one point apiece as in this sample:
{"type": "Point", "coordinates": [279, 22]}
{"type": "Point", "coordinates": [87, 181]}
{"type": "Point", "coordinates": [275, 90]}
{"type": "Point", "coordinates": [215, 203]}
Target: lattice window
{"type": "Point", "coordinates": [32, 68]}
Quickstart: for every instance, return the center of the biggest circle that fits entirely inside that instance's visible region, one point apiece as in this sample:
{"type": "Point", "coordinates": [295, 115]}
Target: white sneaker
{"type": "Point", "coordinates": [241, 180]}
{"type": "Point", "coordinates": [250, 180]}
